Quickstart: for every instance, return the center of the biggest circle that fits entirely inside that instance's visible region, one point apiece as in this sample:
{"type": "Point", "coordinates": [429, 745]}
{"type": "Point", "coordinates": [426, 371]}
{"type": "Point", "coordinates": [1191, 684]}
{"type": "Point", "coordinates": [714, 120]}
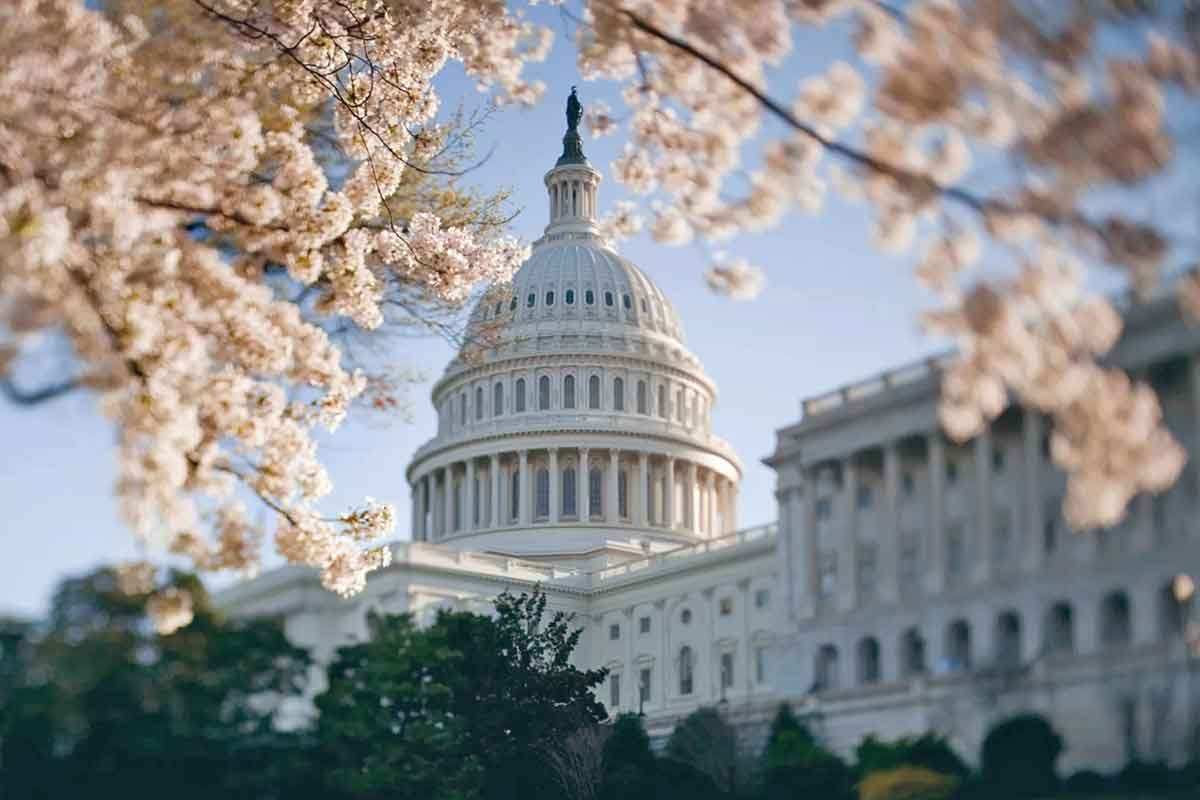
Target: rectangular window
{"type": "Point", "coordinates": [828, 573]}
{"type": "Point", "coordinates": [614, 689]}
{"type": "Point", "coordinates": [760, 664]}
{"type": "Point", "coordinates": [824, 508]}
{"type": "Point", "coordinates": [614, 632]}
{"type": "Point", "coordinates": [726, 606]}
{"type": "Point", "coordinates": [644, 685]}
{"type": "Point", "coordinates": [644, 624]}
{"type": "Point", "coordinates": [726, 670]}
{"type": "Point", "coordinates": [1002, 534]}
{"type": "Point", "coordinates": [864, 497]}
{"type": "Point", "coordinates": [762, 598]}
{"type": "Point", "coordinates": [951, 472]}
{"type": "Point", "coordinates": [998, 459]}
{"type": "Point", "coordinates": [907, 484]}
{"type": "Point", "coordinates": [955, 547]}
{"type": "Point", "coordinates": [866, 569]}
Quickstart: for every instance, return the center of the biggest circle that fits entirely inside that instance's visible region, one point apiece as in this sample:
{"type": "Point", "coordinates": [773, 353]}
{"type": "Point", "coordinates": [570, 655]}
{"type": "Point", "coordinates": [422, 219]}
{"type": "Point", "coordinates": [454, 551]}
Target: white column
{"type": "Point", "coordinates": [889, 562]}
{"type": "Point", "coordinates": [632, 687]}
{"type": "Point", "coordinates": [982, 552]}
{"type": "Point", "coordinates": [1031, 451]}
{"type": "Point", "coordinates": [747, 658]}
{"type": "Point", "coordinates": [1194, 450]}
{"type": "Point", "coordinates": [523, 489]}
{"type": "Point", "coordinates": [734, 490]}
{"type": "Point", "coordinates": [643, 493]}
{"type": "Point", "coordinates": [610, 505]}
{"type": "Point", "coordinates": [413, 532]}
{"type": "Point", "coordinates": [848, 539]}
{"type": "Point", "coordinates": [692, 511]}
{"type": "Point", "coordinates": [470, 498]}
{"type": "Point", "coordinates": [668, 658]}
{"type": "Point", "coordinates": [494, 474]}
{"type": "Point", "coordinates": [423, 500]}
{"type": "Point", "coordinates": [582, 505]}
{"type": "Point", "coordinates": [448, 489]}
{"type": "Point", "coordinates": [710, 504]}
{"type": "Point", "coordinates": [936, 577]}
{"type": "Point", "coordinates": [554, 481]}
{"type": "Point", "coordinates": [669, 494]}
{"type": "Point", "coordinates": [806, 539]}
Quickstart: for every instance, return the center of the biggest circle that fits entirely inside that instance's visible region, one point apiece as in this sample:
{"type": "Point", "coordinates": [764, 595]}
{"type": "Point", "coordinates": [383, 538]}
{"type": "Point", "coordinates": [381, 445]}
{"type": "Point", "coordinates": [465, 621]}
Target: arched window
{"type": "Point", "coordinates": [478, 402]}
{"type": "Point", "coordinates": [595, 487]}
{"type": "Point", "coordinates": [458, 506]}
{"type": "Point", "coordinates": [530, 299]}
{"type": "Point", "coordinates": [1008, 640]}
{"type": "Point", "coordinates": [542, 509]}
{"type": "Point", "coordinates": [642, 408]}
{"type": "Point", "coordinates": [519, 399]}
{"type": "Point", "coordinates": [628, 302]}
{"type": "Point", "coordinates": [645, 309]}
{"type": "Point", "coordinates": [497, 399]}
{"type": "Point", "coordinates": [679, 405]}
{"type": "Point", "coordinates": [512, 304]}
{"type": "Point", "coordinates": [868, 660]}
{"type": "Point", "coordinates": [589, 297]}
{"type": "Point", "coordinates": [569, 391]}
{"type": "Point", "coordinates": [515, 499]}
{"type": "Point", "coordinates": [544, 393]}
{"type": "Point", "coordinates": [499, 307]}
{"type": "Point", "coordinates": [1173, 601]}
{"type": "Point", "coordinates": [912, 653]}
{"type": "Point", "coordinates": [618, 394]}
{"type": "Point", "coordinates": [569, 508]}
{"type": "Point", "coordinates": [1116, 627]}
{"type": "Point", "coordinates": [623, 494]}
{"type": "Point", "coordinates": [594, 391]}
{"type": "Point", "coordinates": [662, 401]}
{"type": "Point", "coordinates": [958, 646]}
{"type": "Point", "coordinates": [1060, 629]}
{"type": "Point", "coordinates": [686, 670]}
{"type": "Point", "coordinates": [462, 408]}
{"type": "Point", "coordinates": [608, 299]}
{"type": "Point", "coordinates": [826, 670]}
{"type": "Point", "coordinates": [549, 298]}
{"type": "Point", "coordinates": [570, 297]}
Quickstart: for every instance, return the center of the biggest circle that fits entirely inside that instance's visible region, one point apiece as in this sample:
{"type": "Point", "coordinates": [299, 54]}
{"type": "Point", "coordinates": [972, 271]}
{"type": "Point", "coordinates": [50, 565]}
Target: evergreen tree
{"type": "Point", "coordinates": [795, 764]}
{"type": "Point", "coordinates": [704, 741]}
{"type": "Point", "coordinates": [1018, 757]}
{"type": "Point", "coordinates": [630, 768]}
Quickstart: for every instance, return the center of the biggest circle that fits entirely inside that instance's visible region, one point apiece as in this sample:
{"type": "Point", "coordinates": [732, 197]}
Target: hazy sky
{"type": "Point", "coordinates": [834, 310]}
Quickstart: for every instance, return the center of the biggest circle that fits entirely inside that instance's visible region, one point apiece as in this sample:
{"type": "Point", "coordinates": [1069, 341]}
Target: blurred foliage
{"type": "Point", "coordinates": [929, 750]}
{"type": "Point", "coordinates": [1018, 757]}
{"type": "Point", "coordinates": [906, 783]}
{"type": "Point", "coordinates": [795, 764]}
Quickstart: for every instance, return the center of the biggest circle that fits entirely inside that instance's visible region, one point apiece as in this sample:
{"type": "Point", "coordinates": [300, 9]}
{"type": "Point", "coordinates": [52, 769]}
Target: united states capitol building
{"type": "Point", "coordinates": [911, 584]}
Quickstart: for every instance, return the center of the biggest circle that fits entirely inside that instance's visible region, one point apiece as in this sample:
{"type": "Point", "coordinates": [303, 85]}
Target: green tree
{"type": "Point", "coordinates": [928, 750]}
{"type": "Point", "coordinates": [706, 742]}
{"type": "Point", "coordinates": [106, 704]}
{"type": "Point", "coordinates": [630, 768]}
{"type": "Point", "coordinates": [386, 723]}
{"type": "Point", "coordinates": [1018, 757]}
{"type": "Point", "coordinates": [795, 764]}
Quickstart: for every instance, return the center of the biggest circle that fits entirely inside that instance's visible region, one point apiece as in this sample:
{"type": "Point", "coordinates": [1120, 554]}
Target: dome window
{"type": "Point", "coordinates": [499, 307]}
{"type": "Point", "coordinates": [589, 297]}
{"type": "Point", "coordinates": [628, 302]}
{"type": "Point", "coordinates": [645, 310]}
{"type": "Point", "coordinates": [549, 298]}
{"type": "Point", "coordinates": [512, 306]}
{"type": "Point", "coordinates": [570, 297]}
{"type": "Point", "coordinates": [608, 299]}
{"type": "Point", "coordinates": [530, 300]}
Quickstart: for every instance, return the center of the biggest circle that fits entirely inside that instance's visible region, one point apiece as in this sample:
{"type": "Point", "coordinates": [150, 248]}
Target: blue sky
{"type": "Point", "coordinates": [833, 310]}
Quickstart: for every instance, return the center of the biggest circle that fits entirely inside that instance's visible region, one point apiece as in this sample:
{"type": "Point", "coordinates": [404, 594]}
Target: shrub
{"type": "Point", "coordinates": [928, 750]}
{"type": "Point", "coordinates": [906, 783]}
{"type": "Point", "coordinates": [1018, 757]}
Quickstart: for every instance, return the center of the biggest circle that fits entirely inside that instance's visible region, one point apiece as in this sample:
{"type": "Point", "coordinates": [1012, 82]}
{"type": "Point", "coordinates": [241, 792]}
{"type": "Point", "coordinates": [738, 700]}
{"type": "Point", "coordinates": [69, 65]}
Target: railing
{"type": "Point", "coordinates": [875, 385]}
{"type": "Point", "coordinates": [744, 536]}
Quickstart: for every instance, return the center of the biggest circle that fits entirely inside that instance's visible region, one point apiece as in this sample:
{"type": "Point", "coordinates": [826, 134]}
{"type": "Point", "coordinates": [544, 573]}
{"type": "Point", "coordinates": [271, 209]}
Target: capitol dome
{"type": "Point", "coordinates": [575, 423]}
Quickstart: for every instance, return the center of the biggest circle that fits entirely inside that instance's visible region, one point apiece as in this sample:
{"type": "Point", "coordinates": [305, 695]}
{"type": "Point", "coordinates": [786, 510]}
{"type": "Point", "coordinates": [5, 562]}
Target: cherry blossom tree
{"type": "Point", "coordinates": [1066, 99]}
{"type": "Point", "coordinates": [129, 126]}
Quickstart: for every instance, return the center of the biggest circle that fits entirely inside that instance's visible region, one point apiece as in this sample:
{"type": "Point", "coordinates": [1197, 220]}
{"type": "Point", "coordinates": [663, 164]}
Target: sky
{"type": "Point", "coordinates": [834, 310]}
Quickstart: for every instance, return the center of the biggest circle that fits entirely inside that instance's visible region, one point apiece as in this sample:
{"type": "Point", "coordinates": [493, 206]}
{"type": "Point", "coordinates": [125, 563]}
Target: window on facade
{"type": "Point", "coordinates": [519, 399]}
{"type": "Point", "coordinates": [497, 399]}
{"type": "Point", "coordinates": [1002, 534]}
{"type": "Point", "coordinates": [628, 301]}
{"type": "Point", "coordinates": [512, 305]}
{"type": "Point", "coordinates": [762, 598]}
{"type": "Point", "coordinates": [530, 300]}
{"type": "Point", "coordinates": [478, 402]}
{"type": "Point", "coordinates": [608, 298]}
{"type": "Point", "coordinates": [544, 393]}
{"type": "Point", "coordinates": [477, 498]}
{"type": "Point", "coordinates": [998, 459]}
{"type": "Point", "coordinates": [726, 606]}
{"type": "Point", "coordinates": [951, 472]}
{"type": "Point", "coordinates": [826, 671]}
{"type": "Point", "coordinates": [679, 405]}
{"type": "Point", "coordinates": [955, 550]}
{"type": "Point", "coordinates": [642, 408]}
{"type": "Point", "coordinates": [912, 653]}
{"type": "Point", "coordinates": [1050, 530]}
{"type": "Point", "coordinates": [614, 632]}
{"type": "Point", "coordinates": [543, 493]}
{"type": "Point", "coordinates": [568, 492]}
{"type": "Point", "coordinates": [456, 520]}
{"type": "Point", "coordinates": [958, 646]}
{"type": "Point", "coordinates": [864, 497]}
{"type": "Point", "coordinates": [1060, 629]}
{"type": "Point", "coordinates": [1008, 640]}
{"type": "Point", "coordinates": [614, 689]}
{"type": "Point", "coordinates": [685, 616]}
{"type": "Point", "coordinates": [645, 308]}
{"type": "Point", "coordinates": [662, 401]}
{"type": "Point", "coordinates": [907, 484]}
{"type": "Point", "coordinates": [643, 624]}
{"type": "Point", "coordinates": [589, 297]}
{"type": "Point", "coordinates": [827, 575]}
{"type": "Point", "coordinates": [570, 297]}
{"type": "Point", "coordinates": [462, 408]}
{"type": "Point", "coordinates": [594, 391]}
{"type": "Point", "coordinates": [726, 670]}
{"type": "Point", "coordinates": [644, 685]}
{"type": "Point", "coordinates": [549, 298]}
{"type": "Point", "coordinates": [623, 493]}
{"type": "Point", "coordinates": [569, 391]}
{"type": "Point", "coordinates": [618, 394]}
{"type": "Point", "coordinates": [1116, 627]}
{"type": "Point", "coordinates": [499, 307]}
{"type": "Point", "coordinates": [824, 508]}
{"type": "Point", "coordinates": [760, 664]}
{"type": "Point", "coordinates": [515, 497]}
{"type": "Point", "coordinates": [868, 660]}
{"type": "Point", "coordinates": [685, 670]}
{"type": "Point", "coordinates": [595, 485]}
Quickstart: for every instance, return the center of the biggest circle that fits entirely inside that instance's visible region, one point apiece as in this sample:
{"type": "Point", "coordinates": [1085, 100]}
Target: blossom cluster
{"type": "Point", "coordinates": [935, 86]}
{"type": "Point", "coordinates": [118, 135]}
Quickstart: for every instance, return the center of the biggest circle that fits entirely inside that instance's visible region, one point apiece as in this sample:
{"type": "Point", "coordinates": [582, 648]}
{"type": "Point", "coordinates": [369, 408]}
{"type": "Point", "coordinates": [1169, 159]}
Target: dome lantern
{"type": "Point", "coordinates": [572, 184]}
